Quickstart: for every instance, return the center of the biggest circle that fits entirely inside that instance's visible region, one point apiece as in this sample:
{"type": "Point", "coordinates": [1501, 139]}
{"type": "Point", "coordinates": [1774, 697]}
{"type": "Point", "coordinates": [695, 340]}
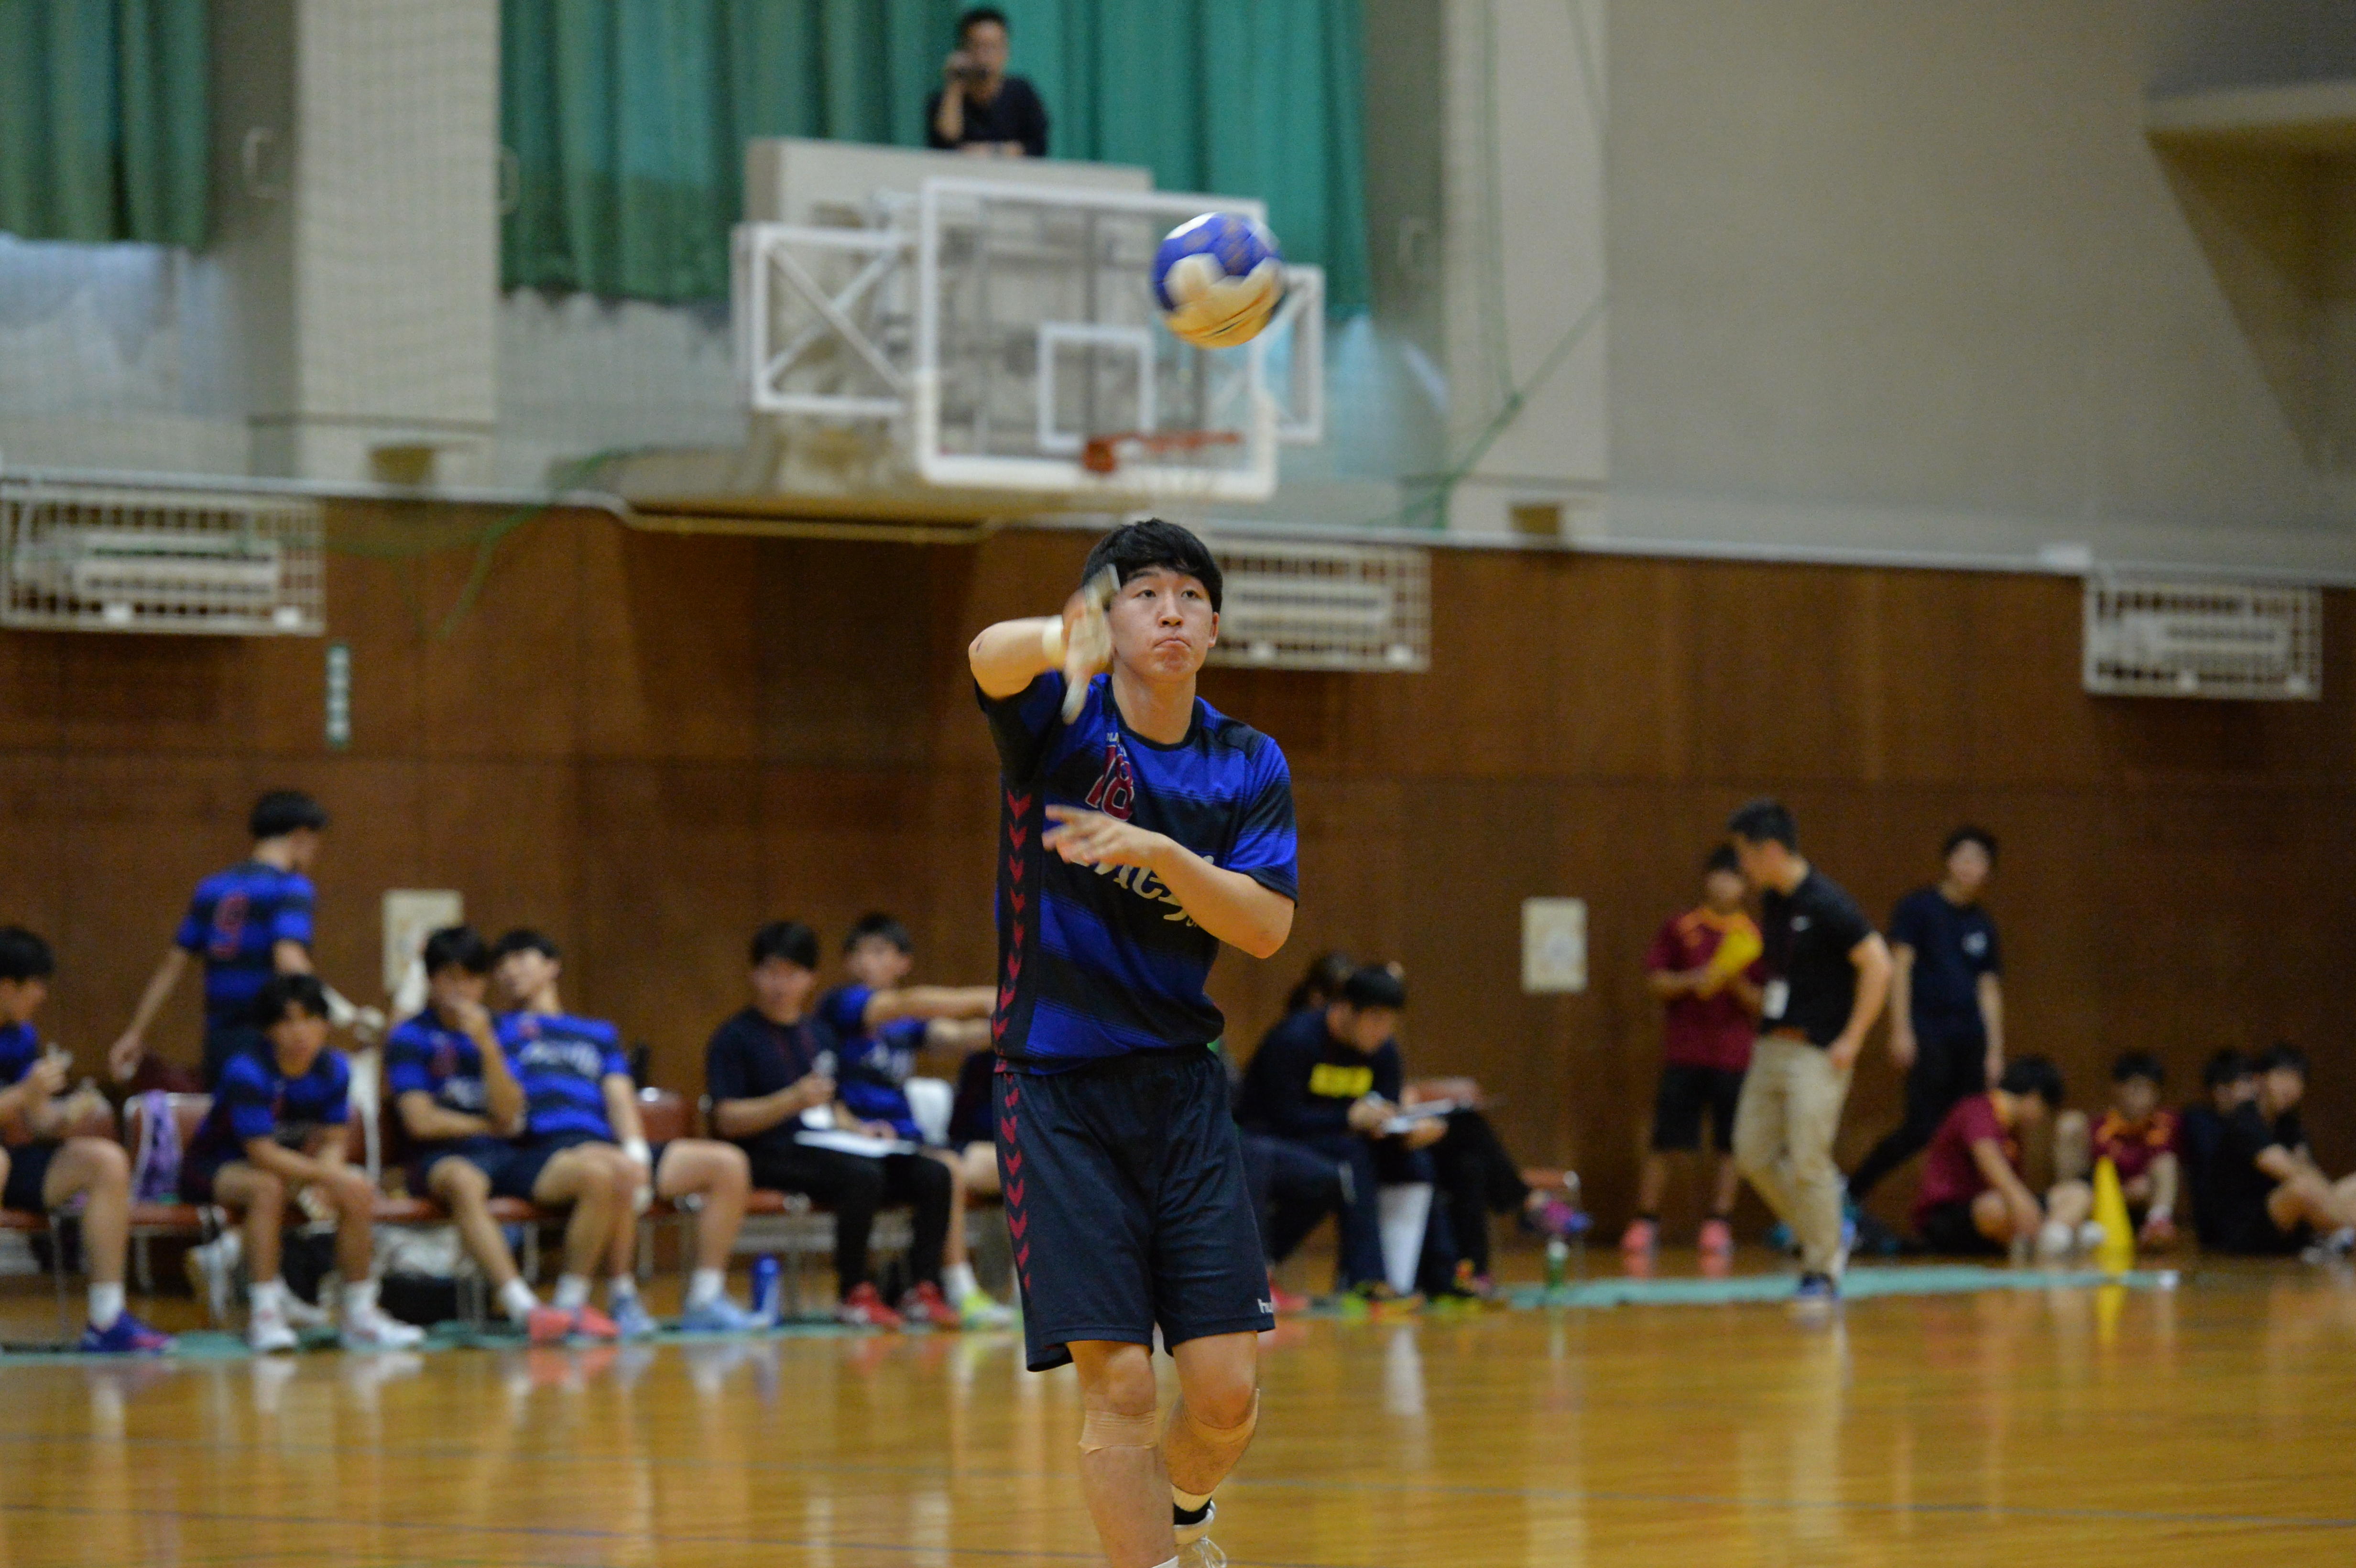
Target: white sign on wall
{"type": "Point", "coordinates": [411, 915]}
{"type": "Point", "coordinates": [1554, 945]}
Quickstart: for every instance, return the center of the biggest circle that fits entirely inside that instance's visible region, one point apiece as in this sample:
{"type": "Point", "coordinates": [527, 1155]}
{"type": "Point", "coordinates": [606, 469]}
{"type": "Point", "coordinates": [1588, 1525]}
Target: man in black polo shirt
{"type": "Point", "coordinates": [772, 1061]}
{"type": "Point", "coordinates": [1828, 972]}
{"type": "Point", "coordinates": [1946, 1001]}
{"type": "Point", "coordinates": [2270, 1196]}
{"type": "Point", "coordinates": [978, 107]}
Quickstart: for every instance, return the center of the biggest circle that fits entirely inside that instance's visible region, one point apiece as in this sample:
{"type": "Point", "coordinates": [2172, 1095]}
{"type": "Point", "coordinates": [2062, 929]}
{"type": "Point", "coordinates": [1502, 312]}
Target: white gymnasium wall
{"type": "Point", "coordinates": [1908, 276]}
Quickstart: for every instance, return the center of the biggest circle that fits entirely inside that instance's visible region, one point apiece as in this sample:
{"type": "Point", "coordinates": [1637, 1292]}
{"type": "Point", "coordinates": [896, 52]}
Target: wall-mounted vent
{"type": "Point", "coordinates": [103, 558]}
{"type": "Point", "coordinates": [1318, 606]}
{"type": "Point", "coordinates": [2156, 637]}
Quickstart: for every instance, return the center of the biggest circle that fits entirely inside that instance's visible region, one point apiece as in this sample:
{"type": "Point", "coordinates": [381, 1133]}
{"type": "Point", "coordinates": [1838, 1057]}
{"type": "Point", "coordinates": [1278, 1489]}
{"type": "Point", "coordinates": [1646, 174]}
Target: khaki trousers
{"type": "Point", "coordinates": [1783, 1129]}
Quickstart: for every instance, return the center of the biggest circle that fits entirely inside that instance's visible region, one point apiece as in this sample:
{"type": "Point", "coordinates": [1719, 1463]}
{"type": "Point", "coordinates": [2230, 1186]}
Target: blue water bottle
{"type": "Point", "coordinates": [765, 1290]}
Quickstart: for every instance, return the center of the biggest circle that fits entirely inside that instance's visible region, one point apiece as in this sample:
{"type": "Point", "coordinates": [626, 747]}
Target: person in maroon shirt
{"type": "Point", "coordinates": [1699, 965]}
{"type": "Point", "coordinates": [2140, 1137]}
{"type": "Point", "coordinates": [1972, 1198]}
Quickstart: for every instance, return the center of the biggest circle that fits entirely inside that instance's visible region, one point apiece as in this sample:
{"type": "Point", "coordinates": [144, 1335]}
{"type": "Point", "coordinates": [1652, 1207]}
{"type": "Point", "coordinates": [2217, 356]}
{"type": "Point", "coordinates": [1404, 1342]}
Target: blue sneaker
{"type": "Point", "coordinates": [718, 1315]}
{"type": "Point", "coordinates": [1779, 1236]}
{"type": "Point", "coordinates": [1817, 1292]}
{"type": "Point", "coordinates": [631, 1319]}
{"type": "Point", "coordinates": [126, 1337]}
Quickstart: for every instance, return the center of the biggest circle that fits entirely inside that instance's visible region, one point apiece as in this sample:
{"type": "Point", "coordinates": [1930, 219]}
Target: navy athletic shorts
{"type": "Point", "coordinates": [490, 1154]}
{"type": "Point", "coordinates": [520, 1170]}
{"type": "Point", "coordinates": [1127, 1201]}
{"type": "Point", "coordinates": [28, 1171]}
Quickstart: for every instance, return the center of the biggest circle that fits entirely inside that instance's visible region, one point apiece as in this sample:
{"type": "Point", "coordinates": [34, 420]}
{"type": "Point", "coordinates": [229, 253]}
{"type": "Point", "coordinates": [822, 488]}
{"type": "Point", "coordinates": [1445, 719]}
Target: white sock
{"type": "Point", "coordinates": [270, 1297]}
{"type": "Point", "coordinates": [621, 1287]}
{"type": "Point", "coordinates": [1192, 1502]}
{"type": "Point", "coordinates": [572, 1291]}
{"type": "Point", "coordinates": [105, 1304]}
{"type": "Point", "coordinates": [704, 1286]}
{"type": "Point", "coordinates": [359, 1300]}
{"type": "Point", "coordinates": [2160, 1212]}
{"type": "Point", "coordinates": [957, 1282]}
{"type": "Point", "coordinates": [517, 1302]}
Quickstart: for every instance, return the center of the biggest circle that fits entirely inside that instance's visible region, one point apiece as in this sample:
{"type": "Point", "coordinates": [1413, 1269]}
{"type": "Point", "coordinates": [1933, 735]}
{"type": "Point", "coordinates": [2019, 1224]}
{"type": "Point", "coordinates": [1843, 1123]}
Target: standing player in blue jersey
{"type": "Point", "coordinates": [277, 1127]}
{"type": "Point", "coordinates": [245, 924]}
{"type": "Point", "coordinates": [1141, 828]}
{"type": "Point", "coordinates": [580, 1110]}
{"type": "Point", "coordinates": [883, 1025]}
{"type": "Point", "coordinates": [459, 1102]}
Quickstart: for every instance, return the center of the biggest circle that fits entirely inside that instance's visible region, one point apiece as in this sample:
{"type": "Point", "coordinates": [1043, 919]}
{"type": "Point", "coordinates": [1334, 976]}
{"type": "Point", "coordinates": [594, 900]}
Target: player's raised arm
{"type": "Point", "coordinates": [1009, 656]}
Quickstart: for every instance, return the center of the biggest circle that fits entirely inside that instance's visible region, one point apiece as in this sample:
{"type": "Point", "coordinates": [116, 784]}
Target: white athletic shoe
{"type": "Point", "coordinates": [268, 1331]}
{"type": "Point", "coordinates": [2053, 1241]}
{"type": "Point", "coordinates": [212, 1276]}
{"type": "Point", "coordinates": [370, 1329]}
{"type": "Point", "coordinates": [1202, 1554]}
{"type": "Point", "coordinates": [302, 1315]}
{"type": "Point", "coordinates": [1188, 1534]}
{"type": "Point", "coordinates": [2090, 1236]}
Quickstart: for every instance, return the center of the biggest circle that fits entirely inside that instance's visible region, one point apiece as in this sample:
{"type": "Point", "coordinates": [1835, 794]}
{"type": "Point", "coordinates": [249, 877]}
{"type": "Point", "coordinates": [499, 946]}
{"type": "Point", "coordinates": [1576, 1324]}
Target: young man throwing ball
{"type": "Point", "coordinates": [1140, 829]}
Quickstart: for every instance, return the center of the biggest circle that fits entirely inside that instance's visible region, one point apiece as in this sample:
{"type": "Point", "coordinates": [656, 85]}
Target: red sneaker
{"type": "Point", "coordinates": [548, 1326]}
{"type": "Point", "coordinates": [1641, 1236]}
{"type": "Point", "coordinates": [927, 1305]}
{"type": "Point", "coordinates": [864, 1308]}
{"type": "Point", "coordinates": [1285, 1303]}
{"type": "Point", "coordinates": [592, 1324]}
{"type": "Point", "coordinates": [1717, 1239]}
{"type": "Point", "coordinates": [2158, 1233]}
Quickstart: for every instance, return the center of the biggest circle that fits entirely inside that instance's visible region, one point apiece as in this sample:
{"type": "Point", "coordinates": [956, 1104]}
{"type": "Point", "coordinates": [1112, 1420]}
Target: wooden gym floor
{"type": "Point", "coordinates": [2214, 1424]}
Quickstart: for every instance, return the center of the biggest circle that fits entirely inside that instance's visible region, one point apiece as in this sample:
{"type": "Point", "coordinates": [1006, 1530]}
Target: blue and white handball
{"type": "Point", "coordinates": [1218, 278]}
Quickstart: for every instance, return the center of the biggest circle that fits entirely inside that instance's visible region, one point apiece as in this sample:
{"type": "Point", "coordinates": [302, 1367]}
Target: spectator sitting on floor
{"type": "Point", "coordinates": [2271, 1198]}
{"type": "Point", "coordinates": [46, 1166]}
{"type": "Point", "coordinates": [2138, 1135]}
{"type": "Point", "coordinates": [2200, 1136]}
{"type": "Point", "coordinates": [1973, 1200]}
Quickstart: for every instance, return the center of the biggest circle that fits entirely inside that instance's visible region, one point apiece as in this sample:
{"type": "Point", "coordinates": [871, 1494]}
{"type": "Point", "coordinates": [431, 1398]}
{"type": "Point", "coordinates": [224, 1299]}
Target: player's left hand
{"type": "Point", "coordinates": [1091, 839]}
{"type": "Point", "coordinates": [1426, 1133]}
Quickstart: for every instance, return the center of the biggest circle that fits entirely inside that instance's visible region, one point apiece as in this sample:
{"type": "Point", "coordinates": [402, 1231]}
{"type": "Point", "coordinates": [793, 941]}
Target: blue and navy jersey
{"type": "Point", "coordinates": [421, 1056]}
{"type": "Point", "coordinates": [874, 1064]}
{"type": "Point", "coordinates": [234, 922]}
{"type": "Point", "coordinates": [1100, 962]}
{"type": "Point", "coordinates": [563, 1063]}
{"type": "Point", "coordinates": [20, 1047]}
{"type": "Point", "coordinates": [256, 1099]}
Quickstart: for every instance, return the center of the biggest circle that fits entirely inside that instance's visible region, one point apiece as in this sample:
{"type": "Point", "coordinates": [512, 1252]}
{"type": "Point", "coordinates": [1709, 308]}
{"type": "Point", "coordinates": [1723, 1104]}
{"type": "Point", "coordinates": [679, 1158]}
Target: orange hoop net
{"type": "Point", "coordinates": [1105, 454]}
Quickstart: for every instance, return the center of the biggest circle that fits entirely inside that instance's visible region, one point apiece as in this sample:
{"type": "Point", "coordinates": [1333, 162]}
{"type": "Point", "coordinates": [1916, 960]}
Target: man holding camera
{"type": "Point", "coordinates": [979, 108]}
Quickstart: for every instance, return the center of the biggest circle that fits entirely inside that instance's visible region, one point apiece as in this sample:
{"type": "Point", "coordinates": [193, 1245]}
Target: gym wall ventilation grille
{"type": "Point", "coordinates": [1317, 606]}
{"type": "Point", "coordinates": [2162, 637]}
{"type": "Point", "coordinates": [103, 558]}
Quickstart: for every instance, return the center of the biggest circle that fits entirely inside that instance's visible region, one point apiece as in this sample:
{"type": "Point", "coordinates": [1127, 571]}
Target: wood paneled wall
{"type": "Point", "coordinates": [649, 745]}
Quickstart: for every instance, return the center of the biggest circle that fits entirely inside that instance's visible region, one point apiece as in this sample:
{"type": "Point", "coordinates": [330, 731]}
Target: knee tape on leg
{"type": "Point", "coordinates": [1225, 1444]}
{"type": "Point", "coordinates": [1102, 1429]}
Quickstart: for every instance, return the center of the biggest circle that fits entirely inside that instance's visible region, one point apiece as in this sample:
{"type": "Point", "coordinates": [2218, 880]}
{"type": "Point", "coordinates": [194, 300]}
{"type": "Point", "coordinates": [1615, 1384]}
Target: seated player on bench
{"type": "Point", "coordinates": [276, 1129]}
{"type": "Point", "coordinates": [460, 1101]}
{"type": "Point", "coordinates": [44, 1168]}
{"type": "Point", "coordinates": [2138, 1135]}
{"type": "Point", "coordinates": [2271, 1198]}
{"type": "Point", "coordinates": [884, 1025]}
{"type": "Point", "coordinates": [775, 1060]}
{"type": "Point", "coordinates": [2200, 1137]}
{"type": "Point", "coordinates": [580, 1106]}
{"type": "Point", "coordinates": [1973, 1200]}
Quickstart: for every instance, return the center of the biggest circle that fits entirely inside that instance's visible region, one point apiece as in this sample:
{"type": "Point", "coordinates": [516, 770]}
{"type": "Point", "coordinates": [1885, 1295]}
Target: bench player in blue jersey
{"type": "Point", "coordinates": [277, 1127]}
{"type": "Point", "coordinates": [460, 1103]}
{"type": "Point", "coordinates": [46, 1166]}
{"type": "Point", "coordinates": [580, 1109]}
{"type": "Point", "coordinates": [1141, 828]}
{"type": "Point", "coordinates": [244, 925]}
{"type": "Point", "coordinates": [883, 1024]}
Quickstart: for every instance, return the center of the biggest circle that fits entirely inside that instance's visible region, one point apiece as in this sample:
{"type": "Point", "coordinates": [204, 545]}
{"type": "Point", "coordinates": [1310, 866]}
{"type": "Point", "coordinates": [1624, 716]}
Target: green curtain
{"type": "Point", "coordinates": [104, 120]}
{"type": "Point", "coordinates": [628, 117]}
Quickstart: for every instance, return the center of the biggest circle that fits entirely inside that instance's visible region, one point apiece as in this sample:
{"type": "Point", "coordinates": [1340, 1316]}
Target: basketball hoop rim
{"type": "Point", "coordinates": [1102, 454]}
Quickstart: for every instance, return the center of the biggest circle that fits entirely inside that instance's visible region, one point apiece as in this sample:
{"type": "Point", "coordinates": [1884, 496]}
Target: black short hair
{"type": "Point", "coordinates": [1722, 859]}
{"type": "Point", "coordinates": [282, 811]}
{"type": "Point", "coordinates": [787, 939]}
{"type": "Point", "coordinates": [2228, 1066]}
{"type": "Point", "coordinates": [877, 923]}
{"type": "Point", "coordinates": [1133, 548]}
{"type": "Point", "coordinates": [2282, 1056]}
{"type": "Point", "coordinates": [1372, 985]}
{"type": "Point", "coordinates": [2032, 1075]}
{"type": "Point", "coordinates": [1764, 821]}
{"type": "Point", "coordinates": [24, 956]}
{"type": "Point", "coordinates": [524, 939]}
{"type": "Point", "coordinates": [1968, 834]}
{"type": "Point", "coordinates": [978, 16]}
{"type": "Point", "coordinates": [2138, 1064]}
{"type": "Point", "coordinates": [281, 992]}
{"type": "Point", "coordinates": [459, 946]}
{"type": "Point", "coordinates": [1323, 981]}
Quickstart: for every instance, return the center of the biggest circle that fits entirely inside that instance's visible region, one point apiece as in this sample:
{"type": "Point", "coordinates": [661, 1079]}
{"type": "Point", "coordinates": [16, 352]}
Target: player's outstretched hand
{"type": "Point", "coordinates": [1092, 838]}
{"type": "Point", "coordinates": [1088, 637]}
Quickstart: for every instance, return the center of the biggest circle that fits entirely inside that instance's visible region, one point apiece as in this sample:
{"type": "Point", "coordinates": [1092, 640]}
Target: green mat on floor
{"type": "Point", "coordinates": [1858, 1285]}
